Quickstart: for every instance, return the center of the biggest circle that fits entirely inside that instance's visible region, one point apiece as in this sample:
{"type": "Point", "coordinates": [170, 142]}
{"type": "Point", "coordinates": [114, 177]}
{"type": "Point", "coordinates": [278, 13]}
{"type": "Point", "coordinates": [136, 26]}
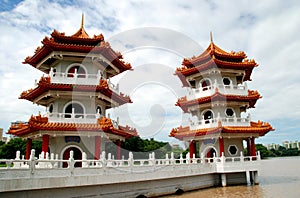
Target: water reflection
{"type": "Point", "coordinates": [279, 177]}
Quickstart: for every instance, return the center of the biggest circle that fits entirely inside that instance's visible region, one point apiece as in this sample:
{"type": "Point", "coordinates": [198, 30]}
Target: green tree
{"type": "Point", "coordinates": [8, 151]}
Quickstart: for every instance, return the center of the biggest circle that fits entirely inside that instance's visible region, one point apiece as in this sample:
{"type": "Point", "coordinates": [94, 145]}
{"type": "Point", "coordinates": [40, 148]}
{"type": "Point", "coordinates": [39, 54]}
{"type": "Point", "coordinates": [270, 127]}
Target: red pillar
{"type": "Point", "coordinates": [28, 148]}
{"type": "Point", "coordinates": [253, 149]}
{"type": "Point", "coordinates": [97, 147]}
{"type": "Point", "coordinates": [192, 148]}
{"type": "Point", "coordinates": [45, 143]}
{"type": "Point", "coordinates": [249, 147]}
{"type": "Point", "coordinates": [118, 143]}
{"type": "Point", "coordinates": [221, 145]}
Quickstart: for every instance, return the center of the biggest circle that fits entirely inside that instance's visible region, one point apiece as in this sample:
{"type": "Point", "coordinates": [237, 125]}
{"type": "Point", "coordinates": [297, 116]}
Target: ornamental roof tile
{"type": "Point", "coordinates": [78, 42]}
{"type": "Point", "coordinates": [255, 127]}
{"type": "Point", "coordinates": [215, 57]}
{"type": "Point", "coordinates": [45, 85]}
{"type": "Point", "coordinates": [252, 97]}
{"type": "Point", "coordinates": [39, 123]}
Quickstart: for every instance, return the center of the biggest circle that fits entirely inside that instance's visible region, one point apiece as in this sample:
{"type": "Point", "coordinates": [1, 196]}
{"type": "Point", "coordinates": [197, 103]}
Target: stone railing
{"type": "Point", "coordinates": [227, 121]}
{"type": "Point", "coordinates": [223, 89]}
{"type": "Point", "coordinates": [73, 117]}
{"type": "Point", "coordinates": [77, 118]}
{"type": "Point", "coordinates": [134, 165]}
{"type": "Point", "coordinates": [80, 79]}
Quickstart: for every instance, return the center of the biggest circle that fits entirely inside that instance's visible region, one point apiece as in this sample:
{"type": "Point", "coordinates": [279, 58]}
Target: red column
{"type": "Point", "coordinates": [118, 143]}
{"type": "Point", "coordinates": [45, 143]}
{"type": "Point", "coordinates": [249, 146]}
{"type": "Point", "coordinates": [253, 149]}
{"type": "Point", "coordinates": [97, 147]}
{"type": "Point", "coordinates": [192, 148]}
{"type": "Point", "coordinates": [221, 145]}
{"type": "Point", "coordinates": [28, 148]}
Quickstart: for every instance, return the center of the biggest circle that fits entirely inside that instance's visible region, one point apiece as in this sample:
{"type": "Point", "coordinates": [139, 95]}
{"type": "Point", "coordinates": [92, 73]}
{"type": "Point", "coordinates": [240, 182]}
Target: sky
{"type": "Point", "coordinates": [155, 36]}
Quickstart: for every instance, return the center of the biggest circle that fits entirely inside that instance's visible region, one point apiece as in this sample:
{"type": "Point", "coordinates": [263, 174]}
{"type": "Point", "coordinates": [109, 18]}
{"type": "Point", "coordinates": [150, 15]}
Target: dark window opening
{"type": "Point", "coordinates": [78, 109]}
{"type": "Point", "coordinates": [80, 72]}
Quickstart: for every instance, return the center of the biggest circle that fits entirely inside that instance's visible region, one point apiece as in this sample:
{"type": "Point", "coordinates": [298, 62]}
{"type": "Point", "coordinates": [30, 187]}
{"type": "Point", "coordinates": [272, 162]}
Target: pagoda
{"type": "Point", "coordinates": [217, 101]}
{"type": "Point", "coordinates": [76, 92]}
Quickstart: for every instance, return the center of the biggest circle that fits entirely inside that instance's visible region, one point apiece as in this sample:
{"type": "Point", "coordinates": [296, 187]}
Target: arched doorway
{"type": "Point", "coordinates": [77, 156]}
{"type": "Point", "coordinates": [210, 152]}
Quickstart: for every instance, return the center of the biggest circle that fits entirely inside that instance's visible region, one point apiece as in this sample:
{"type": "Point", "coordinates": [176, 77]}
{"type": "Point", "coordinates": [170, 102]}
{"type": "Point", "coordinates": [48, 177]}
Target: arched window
{"type": "Point", "coordinates": [99, 110]}
{"type": "Point", "coordinates": [229, 112]}
{"type": "Point", "coordinates": [226, 81]}
{"type": "Point", "coordinates": [208, 115]}
{"type": "Point", "coordinates": [205, 84]}
{"type": "Point", "coordinates": [78, 109]}
{"type": "Point", "coordinates": [81, 73]}
{"type": "Point", "coordinates": [50, 108]}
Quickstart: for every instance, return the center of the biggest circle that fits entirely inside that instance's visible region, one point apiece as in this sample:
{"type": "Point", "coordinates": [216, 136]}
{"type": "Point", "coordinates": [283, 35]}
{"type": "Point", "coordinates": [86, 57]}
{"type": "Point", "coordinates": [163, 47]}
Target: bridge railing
{"type": "Point", "coordinates": [44, 162]}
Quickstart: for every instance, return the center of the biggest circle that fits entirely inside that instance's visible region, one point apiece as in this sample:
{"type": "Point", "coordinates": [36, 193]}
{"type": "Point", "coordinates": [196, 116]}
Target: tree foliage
{"type": "Point", "coordinates": [8, 151]}
{"type": "Point", "coordinates": [280, 152]}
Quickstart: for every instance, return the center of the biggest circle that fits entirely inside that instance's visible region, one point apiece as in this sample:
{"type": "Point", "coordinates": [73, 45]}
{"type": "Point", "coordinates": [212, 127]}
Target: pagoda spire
{"type": "Point", "coordinates": [211, 44]}
{"type": "Point", "coordinates": [211, 37]}
{"type": "Point", "coordinates": [81, 33]}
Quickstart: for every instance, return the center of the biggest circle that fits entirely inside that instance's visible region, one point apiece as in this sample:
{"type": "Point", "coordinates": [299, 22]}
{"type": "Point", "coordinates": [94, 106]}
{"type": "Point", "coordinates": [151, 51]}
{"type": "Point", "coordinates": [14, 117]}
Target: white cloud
{"type": "Point", "coordinates": [267, 31]}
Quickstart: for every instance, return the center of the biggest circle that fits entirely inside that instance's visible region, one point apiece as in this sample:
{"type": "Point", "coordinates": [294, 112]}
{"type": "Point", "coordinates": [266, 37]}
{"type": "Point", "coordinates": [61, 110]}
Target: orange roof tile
{"type": "Point", "coordinates": [215, 57]}
{"type": "Point", "coordinates": [252, 97]}
{"type": "Point", "coordinates": [39, 123]}
{"type": "Point", "coordinates": [255, 127]}
{"type": "Point", "coordinates": [45, 85]}
{"type": "Point", "coordinates": [78, 42]}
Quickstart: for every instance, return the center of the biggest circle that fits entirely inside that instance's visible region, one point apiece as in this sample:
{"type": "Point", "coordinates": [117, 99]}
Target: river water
{"type": "Point", "coordinates": [278, 177]}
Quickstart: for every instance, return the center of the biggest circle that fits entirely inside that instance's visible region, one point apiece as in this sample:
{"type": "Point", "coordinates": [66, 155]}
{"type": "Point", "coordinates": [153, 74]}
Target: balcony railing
{"type": "Point", "coordinates": [227, 121]}
{"type": "Point", "coordinates": [223, 89]}
{"type": "Point", "coordinates": [80, 79]}
{"type": "Point", "coordinates": [77, 118]}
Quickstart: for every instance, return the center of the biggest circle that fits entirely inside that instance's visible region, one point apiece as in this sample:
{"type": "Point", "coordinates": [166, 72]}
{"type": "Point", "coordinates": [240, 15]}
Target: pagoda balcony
{"type": "Point", "coordinates": [77, 118]}
{"type": "Point", "coordinates": [221, 88]}
{"type": "Point", "coordinates": [225, 121]}
{"type": "Point", "coordinates": [80, 79]}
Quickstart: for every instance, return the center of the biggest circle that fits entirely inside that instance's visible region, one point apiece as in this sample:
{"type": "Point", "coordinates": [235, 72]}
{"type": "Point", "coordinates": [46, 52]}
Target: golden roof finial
{"type": "Point", "coordinates": [81, 33]}
{"type": "Point", "coordinates": [82, 20]}
{"type": "Point", "coordinates": [211, 37]}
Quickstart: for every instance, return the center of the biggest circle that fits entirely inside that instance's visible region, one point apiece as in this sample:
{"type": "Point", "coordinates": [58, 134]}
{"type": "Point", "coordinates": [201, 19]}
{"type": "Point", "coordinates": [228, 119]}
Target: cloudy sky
{"type": "Point", "coordinates": [267, 31]}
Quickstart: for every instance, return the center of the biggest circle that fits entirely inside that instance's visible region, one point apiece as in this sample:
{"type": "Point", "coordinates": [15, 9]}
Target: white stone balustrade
{"type": "Point", "coordinates": [73, 117]}
{"type": "Point", "coordinates": [225, 121]}
{"type": "Point", "coordinates": [223, 89]}
{"type": "Point", "coordinates": [45, 163]}
{"type": "Point", "coordinates": [80, 79]}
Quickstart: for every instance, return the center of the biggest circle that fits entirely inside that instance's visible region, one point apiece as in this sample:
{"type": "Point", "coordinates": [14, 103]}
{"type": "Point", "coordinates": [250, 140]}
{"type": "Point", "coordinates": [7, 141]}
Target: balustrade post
{"type": "Point", "coordinates": [187, 158]}
{"type": "Point", "coordinates": [71, 162]}
{"type": "Point", "coordinates": [32, 161]}
{"type": "Point", "coordinates": [242, 159]}
{"type": "Point", "coordinates": [130, 159]}
{"type": "Point", "coordinates": [167, 159]}
{"type": "Point", "coordinates": [222, 158]}
{"type": "Point", "coordinates": [181, 159]}
{"type": "Point", "coordinates": [84, 163]}
{"type": "Point", "coordinates": [246, 85]}
{"type": "Point", "coordinates": [172, 158]}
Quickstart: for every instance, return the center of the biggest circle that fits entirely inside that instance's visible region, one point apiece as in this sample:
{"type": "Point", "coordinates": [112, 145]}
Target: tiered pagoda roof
{"type": "Point", "coordinates": [79, 42]}
{"type": "Point", "coordinates": [251, 98]}
{"type": "Point", "coordinates": [215, 57]}
{"type": "Point", "coordinates": [39, 123]}
{"type": "Point", "coordinates": [44, 85]}
{"type": "Point", "coordinates": [261, 128]}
